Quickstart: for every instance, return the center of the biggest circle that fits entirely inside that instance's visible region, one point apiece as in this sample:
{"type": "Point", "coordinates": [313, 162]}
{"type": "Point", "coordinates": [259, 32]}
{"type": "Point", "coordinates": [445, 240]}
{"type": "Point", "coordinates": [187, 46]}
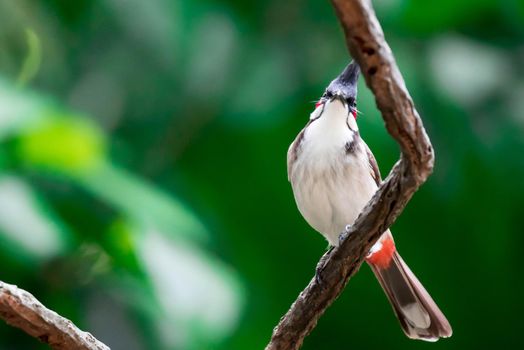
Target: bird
{"type": "Point", "coordinates": [334, 174]}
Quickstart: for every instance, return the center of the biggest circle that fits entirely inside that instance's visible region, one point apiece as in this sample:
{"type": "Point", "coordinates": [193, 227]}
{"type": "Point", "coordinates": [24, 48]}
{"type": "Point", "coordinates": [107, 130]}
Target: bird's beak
{"type": "Point", "coordinates": [340, 98]}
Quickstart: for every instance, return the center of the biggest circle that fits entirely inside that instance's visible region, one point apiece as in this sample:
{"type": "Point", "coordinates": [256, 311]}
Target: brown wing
{"type": "Point", "coordinates": [375, 171]}
{"type": "Point", "coordinates": [292, 152]}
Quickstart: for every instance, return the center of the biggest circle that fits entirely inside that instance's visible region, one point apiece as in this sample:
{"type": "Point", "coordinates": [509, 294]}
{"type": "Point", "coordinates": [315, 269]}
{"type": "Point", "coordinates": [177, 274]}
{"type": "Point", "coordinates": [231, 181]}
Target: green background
{"type": "Point", "coordinates": [143, 186]}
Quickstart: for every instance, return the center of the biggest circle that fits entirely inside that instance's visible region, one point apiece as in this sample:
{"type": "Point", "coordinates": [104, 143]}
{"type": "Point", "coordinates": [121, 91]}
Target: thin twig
{"type": "Point", "coordinates": [366, 43]}
{"type": "Point", "coordinates": [22, 310]}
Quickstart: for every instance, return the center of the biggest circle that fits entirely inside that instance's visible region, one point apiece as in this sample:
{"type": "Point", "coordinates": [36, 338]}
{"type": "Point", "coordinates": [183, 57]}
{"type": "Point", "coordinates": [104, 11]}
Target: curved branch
{"type": "Point", "coordinates": [22, 310]}
{"type": "Point", "coordinates": [366, 43]}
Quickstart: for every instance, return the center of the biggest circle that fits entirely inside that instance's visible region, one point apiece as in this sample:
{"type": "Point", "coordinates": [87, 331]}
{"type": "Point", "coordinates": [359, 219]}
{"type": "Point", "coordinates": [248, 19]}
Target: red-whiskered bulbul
{"type": "Point", "coordinates": [334, 174]}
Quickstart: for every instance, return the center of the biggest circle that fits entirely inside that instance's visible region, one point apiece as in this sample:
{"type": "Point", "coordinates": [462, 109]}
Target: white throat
{"type": "Point", "coordinates": [334, 128]}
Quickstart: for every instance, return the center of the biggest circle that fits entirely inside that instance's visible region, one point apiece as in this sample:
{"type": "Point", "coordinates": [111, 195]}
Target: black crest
{"type": "Point", "coordinates": [345, 85]}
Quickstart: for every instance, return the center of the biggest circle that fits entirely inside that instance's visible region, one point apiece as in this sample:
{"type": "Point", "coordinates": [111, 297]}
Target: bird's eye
{"type": "Point", "coordinates": [328, 94]}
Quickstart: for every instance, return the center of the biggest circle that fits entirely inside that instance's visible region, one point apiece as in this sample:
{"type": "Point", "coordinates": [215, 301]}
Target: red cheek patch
{"type": "Point", "coordinates": [318, 104]}
{"type": "Point", "coordinates": [354, 112]}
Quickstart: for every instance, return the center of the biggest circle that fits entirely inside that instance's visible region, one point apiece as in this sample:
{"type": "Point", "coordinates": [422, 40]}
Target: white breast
{"type": "Point", "coordinates": [331, 186]}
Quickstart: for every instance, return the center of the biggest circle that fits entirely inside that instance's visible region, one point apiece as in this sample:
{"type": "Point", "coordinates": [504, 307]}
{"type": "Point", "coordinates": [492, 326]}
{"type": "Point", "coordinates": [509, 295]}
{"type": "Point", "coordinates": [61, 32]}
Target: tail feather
{"type": "Point", "coordinates": [418, 314]}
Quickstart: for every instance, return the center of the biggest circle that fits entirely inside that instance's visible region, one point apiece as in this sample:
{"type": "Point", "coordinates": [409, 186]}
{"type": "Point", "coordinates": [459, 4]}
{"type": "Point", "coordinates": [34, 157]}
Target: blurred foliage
{"type": "Point", "coordinates": [143, 189]}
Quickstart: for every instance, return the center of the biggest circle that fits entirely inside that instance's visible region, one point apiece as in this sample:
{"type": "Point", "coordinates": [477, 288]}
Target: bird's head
{"type": "Point", "coordinates": [343, 90]}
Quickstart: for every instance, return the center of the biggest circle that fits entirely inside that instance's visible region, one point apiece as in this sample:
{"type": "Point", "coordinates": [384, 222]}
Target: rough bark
{"type": "Point", "coordinates": [22, 310]}
{"type": "Point", "coordinates": [366, 43]}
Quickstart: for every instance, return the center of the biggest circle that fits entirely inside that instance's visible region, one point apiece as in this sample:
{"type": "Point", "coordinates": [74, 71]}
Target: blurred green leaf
{"type": "Point", "coordinates": [62, 143]}
{"type": "Point", "coordinates": [29, 230]}
{"type": "Point", "coordinates": [142, 202]}
{"type": "Point", "coordinates": [199, 295]}
{"type": "Point", "coordinates": [19, 109]}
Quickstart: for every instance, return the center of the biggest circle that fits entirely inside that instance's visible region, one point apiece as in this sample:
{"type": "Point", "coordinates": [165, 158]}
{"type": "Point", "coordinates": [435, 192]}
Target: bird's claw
{"type": "Point", "coordinates": [318, 278]}
{"type": "Point", "coordinates": [320, 266]}
{"type": "Point", "coordinates": [342, 237]}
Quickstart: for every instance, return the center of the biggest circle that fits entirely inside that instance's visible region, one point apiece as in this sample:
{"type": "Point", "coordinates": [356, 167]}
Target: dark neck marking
{"type": "Point", "coordinates": [351, 146]}
{"type": "Point", "coordinates": [350, 115]}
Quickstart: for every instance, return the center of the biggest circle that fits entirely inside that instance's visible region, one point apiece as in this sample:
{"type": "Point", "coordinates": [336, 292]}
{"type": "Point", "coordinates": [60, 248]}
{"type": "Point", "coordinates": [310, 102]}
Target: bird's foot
{"type": "Point", "coordinates": [342, 237]}
{"type": "Point", "coordinates": [320, 266]}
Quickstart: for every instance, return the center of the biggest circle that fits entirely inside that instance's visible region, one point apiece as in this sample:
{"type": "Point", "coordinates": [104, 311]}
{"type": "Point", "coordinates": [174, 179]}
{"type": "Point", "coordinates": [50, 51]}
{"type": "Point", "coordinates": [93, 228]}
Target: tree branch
{"type": "Point", "coordinates": [366, 43]}
{"type": "Point", "coordinates": [22, 310]}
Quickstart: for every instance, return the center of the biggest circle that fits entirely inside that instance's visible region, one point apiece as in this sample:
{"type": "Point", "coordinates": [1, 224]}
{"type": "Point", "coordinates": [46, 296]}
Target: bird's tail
{"type": "Point", "coordinates": [418, 314]}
